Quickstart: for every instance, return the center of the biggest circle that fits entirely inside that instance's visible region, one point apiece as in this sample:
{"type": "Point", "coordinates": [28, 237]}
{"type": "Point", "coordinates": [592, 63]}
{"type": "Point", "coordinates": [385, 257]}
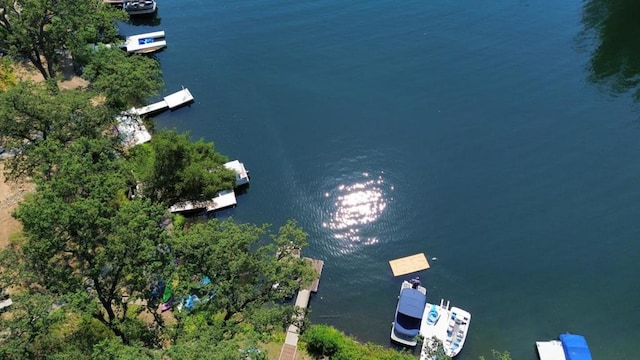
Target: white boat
{"type": "Point", "coordinates": [409, 311]}
{"type": "Point", "coordinates": [145, 43]}
{"type": "Point", "coordinates": [140, 7]}
{"type": "Point", "coordinates": [443, 329]}
{"type": "Point", "coordinates": [569, 347]}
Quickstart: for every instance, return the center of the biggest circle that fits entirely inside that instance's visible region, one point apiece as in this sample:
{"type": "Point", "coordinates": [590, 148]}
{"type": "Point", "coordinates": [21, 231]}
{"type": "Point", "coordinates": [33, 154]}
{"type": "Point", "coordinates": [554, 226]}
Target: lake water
{"type": "Point", "coordinates": [466, 130]}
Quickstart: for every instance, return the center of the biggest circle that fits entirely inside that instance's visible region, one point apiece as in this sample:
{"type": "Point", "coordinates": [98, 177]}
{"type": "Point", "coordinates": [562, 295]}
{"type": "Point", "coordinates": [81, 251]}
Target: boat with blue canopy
{"type": "Point", "coordinates": [409, 312]}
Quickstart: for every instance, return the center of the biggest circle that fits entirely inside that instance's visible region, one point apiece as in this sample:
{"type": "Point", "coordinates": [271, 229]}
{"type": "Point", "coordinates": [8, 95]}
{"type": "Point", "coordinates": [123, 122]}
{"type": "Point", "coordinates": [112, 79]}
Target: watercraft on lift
{"type": "Point", "coordinates": [568, 347]}
{"type": "Point", "coordinates": [140, 7]}
{"type": "Point", "coordinates": [411, 303]}
{"type": "Point", "coordinates": [145, 43]}
{"type": "Point", "coordinates": [443, 326]}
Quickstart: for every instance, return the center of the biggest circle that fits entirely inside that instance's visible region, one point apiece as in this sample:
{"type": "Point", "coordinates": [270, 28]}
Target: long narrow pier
{"type": "Point", "coordinates": [172, 101]}
{"type": "Point", "coordinates": [290, 346]}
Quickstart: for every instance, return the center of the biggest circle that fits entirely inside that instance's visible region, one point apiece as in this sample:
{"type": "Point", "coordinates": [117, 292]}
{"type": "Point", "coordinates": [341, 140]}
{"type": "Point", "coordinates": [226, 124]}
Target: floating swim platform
{"type": "Point", "coordinates": [409, 264]}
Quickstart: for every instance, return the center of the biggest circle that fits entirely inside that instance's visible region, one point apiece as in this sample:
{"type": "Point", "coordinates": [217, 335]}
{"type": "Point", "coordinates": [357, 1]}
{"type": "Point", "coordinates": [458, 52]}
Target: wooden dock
{"type": "Point", "coordinates": [317, 265]}
{"type": "Point", "coordinates": [223, 200]}
{"type": "Point", "coordinates": [172, 101]}
{"type": "Point", "coordinates": [290, 346]}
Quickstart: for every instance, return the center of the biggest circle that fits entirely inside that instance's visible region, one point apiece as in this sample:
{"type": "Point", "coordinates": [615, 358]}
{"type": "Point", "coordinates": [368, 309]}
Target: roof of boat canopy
{"type": "Point", "coordinates": [575, 347]}
{"type": "Point", "coordinates": [412, 303]}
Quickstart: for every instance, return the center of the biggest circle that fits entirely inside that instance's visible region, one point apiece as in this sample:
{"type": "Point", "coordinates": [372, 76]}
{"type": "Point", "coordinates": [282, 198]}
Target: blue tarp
{"type": "Point", "coordinates": [575, 347]}
{"type": "Point", "coordinates": [412, 303]}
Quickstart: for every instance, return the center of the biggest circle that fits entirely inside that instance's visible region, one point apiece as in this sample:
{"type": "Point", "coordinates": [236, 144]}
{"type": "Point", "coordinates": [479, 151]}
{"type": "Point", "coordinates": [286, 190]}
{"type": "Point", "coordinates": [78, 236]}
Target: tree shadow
{"type": "Point", "coordinates": [615, 63]}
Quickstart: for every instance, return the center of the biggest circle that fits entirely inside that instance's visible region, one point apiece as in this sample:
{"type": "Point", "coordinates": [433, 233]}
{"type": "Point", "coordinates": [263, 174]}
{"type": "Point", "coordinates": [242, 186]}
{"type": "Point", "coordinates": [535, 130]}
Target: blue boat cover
{"type": "Point", "coordinates": [575, 347]}
{"type": "Point", "coordinates": [412, 303]}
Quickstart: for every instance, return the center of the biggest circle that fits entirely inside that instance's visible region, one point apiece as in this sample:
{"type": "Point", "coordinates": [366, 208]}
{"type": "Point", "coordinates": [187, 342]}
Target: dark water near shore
{"type": "Point", "coordinates": [471, 131]}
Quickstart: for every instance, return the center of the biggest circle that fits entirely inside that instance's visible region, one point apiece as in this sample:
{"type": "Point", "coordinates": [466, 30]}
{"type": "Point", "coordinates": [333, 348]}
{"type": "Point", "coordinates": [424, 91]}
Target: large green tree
{"type": "Point", "coordinates": [86, 239]}
{"type": "Point", "coordinates": [125, 80]}
{"type": "Point", "coordinates": [244, 263]}
{"type": "Point", "coordinates": [40, 121]}
{"type": "Point", "coordinates": [43, 30]}
{"type": "Point", "coordinates": [172, 169]}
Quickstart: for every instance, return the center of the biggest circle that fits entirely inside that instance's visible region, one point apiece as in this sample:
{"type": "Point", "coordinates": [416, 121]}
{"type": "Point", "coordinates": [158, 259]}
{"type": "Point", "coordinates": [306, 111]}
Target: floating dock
{"type": "Point", "coordinates": [550, 350]}
{"type": "Point", "coordinates": [222, 200]}
{"type": "Point", "coordinates": [132, 130]}
{"type": "Point", "coordinates": [173, 101]}
{"type": "Point", "coordinates": [409, 264]}
{"type": "Point", "coordinates": [242, 175]}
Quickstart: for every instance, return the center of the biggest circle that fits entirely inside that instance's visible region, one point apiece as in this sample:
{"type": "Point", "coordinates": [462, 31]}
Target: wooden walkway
{"type": "Point", "coordinates": [290, 346]}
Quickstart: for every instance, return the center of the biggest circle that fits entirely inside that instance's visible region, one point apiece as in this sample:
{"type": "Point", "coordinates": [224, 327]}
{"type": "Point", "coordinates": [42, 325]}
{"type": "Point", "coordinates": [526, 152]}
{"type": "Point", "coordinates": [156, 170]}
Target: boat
{"type": "Point", "coordinates": [444, 329]}
{"type": "Point", "coordinates": [145, 43]}
{"type": "Point", "coordinates": [568, 347]}
{"type": "Point", "coordinates": [458, 326]}
{"type": "Point", "coordinates": [409, 311]}
{"type": "Point", "coordinates": [140, 7]}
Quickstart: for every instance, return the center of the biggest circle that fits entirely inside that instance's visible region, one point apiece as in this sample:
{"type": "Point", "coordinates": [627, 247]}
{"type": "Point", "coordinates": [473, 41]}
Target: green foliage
{"type": "Point", "coordinates": [79, 237]}
{"type": "Point", "coordinates": [41, 30]}
{"type": "Point", "coordinates": [173, 169]}
{"type": "Point", "coordinates": [7, 78]}
{"type": "Point", "coordinates": [114, 349]}
{"type": "Point", "coordinates": [42, 121]}
{"type": "Point", "coordinates": [27, 329]}
{"type": "Point", "coordinates": [324, 340]}
{"type": "Point", "coordinates": [125, 80]}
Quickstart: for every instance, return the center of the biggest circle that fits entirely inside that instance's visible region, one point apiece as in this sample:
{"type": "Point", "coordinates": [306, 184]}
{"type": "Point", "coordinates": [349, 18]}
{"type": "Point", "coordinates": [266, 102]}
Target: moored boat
{"type": "Point", "coordinates": [409, 311]}
{"type": "Point", "coordinates": [444, 330]}
{"type": "Point", "coordinates": [569, 347]}
{"type": "Point", "coordinates": [145, 43]}
{"type": "Point", "coordinates": [140, 7]}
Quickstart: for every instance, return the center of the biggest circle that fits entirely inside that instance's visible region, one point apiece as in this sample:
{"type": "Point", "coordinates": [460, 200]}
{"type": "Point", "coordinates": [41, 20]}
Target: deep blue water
{"type": "Point", "coordinates": [468, 130]}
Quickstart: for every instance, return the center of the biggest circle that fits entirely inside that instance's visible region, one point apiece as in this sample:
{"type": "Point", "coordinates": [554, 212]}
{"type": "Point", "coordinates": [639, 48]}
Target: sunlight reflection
{"type": "Point", "coordinates": [356, 206]}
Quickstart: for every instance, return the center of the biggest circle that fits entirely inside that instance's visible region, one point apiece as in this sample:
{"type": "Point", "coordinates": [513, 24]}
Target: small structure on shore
{"type": "Point", "coordinates": [132, 130]}
{"type": "Point", "coordinates": [5, 300]}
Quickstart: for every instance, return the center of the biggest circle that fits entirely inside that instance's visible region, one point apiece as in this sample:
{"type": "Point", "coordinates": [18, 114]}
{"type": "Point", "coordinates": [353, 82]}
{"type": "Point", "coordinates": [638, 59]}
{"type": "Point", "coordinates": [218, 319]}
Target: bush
{"type": "Point", "coordinates": [322, 340]}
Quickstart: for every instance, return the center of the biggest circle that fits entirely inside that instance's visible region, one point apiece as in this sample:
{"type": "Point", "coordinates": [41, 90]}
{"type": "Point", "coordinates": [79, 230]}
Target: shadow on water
{"type": "Point", "coordinates": [615, 63]}
{"type": "Point", "coordinates": [145, 20]}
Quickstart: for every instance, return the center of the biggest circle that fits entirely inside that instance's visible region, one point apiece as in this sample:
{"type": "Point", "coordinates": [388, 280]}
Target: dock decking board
{"type": "Point", "coordinates": [317, 265]}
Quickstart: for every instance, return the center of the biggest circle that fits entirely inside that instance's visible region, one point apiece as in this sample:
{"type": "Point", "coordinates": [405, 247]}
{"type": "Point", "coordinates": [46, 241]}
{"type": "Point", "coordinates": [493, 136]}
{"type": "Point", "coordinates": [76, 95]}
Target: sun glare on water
{"type": "Point", "coordinates": [357, 206]}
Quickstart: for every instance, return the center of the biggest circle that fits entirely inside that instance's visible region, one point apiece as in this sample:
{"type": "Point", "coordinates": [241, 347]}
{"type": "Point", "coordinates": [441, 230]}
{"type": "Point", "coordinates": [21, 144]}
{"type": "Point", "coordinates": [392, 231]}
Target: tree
{"type": "Point", "coordinates": [172, 169]}
{"type": "Point", "coordinates": [87, 240]}
{"type": "Point", "coordinates": [40, 121]}
{"type": "Point", "coordinates": [242, 265]}
{"type": "Point", "coordinates": [25, 332]}
{"type": "Point", "coordinates": [41, 30]}
{"type": "Point", "coordinates": [125, 80]}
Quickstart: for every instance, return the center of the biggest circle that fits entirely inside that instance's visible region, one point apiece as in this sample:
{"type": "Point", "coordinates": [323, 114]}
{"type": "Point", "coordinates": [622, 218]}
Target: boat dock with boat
{"type": "Point", "coordinates": [443, 325]}
{"type": "Point", "coordinates": [568, 347]}
{"type": "Point", "coordinates": [171, 102]}
{"type": "Point", "coordinates": [145, 43]}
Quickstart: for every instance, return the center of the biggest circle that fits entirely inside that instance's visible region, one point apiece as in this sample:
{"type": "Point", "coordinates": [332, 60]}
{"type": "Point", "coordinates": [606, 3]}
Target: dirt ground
{"type": "Point", "coordinates": [10, 195]}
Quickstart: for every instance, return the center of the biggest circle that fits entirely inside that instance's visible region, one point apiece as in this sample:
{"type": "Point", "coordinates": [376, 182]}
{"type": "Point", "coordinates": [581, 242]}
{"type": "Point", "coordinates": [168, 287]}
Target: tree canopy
{"type": "Point", "coordinates": [43, 30]}
{"type": "Point", "coordinates": [40, 121]}
{"type": "Point", "coordinates": [172, 168]}
{"type": "Point", "coordinates": [125, 80]}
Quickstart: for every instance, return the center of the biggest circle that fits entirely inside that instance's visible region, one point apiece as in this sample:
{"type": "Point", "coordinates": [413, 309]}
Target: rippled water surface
{"type": "Point", "coordinates": [468, 130]}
